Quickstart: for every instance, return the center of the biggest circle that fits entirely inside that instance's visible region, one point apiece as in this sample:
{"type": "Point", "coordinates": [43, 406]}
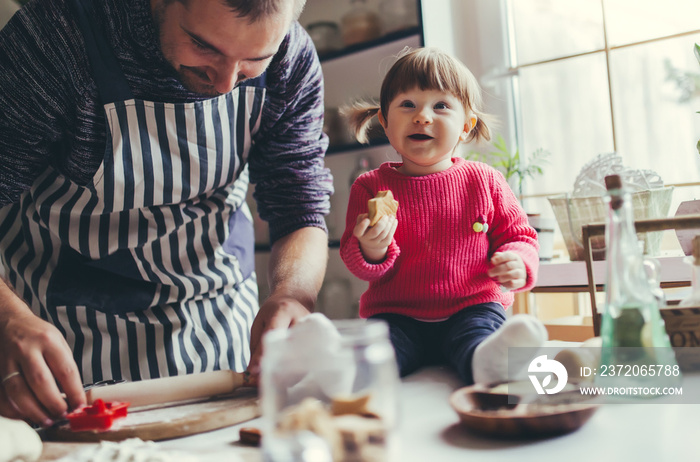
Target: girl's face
{"type": "Point", "coordinates": [425, 126]}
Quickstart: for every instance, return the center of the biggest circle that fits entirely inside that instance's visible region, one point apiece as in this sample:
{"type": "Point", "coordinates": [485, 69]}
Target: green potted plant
{"type": "Point", "coordinates": [514, 167]}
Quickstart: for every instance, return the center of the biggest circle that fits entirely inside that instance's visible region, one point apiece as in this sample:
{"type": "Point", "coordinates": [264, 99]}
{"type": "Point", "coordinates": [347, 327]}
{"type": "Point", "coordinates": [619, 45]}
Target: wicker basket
{"type": "Point", "coordinates": [573, 212]}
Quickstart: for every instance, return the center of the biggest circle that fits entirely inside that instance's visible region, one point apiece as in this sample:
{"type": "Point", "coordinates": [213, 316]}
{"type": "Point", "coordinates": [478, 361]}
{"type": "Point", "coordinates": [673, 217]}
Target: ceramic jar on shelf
{"type": "Point", "coordinates": [325, 35]}
{"type": "Point", "coordinates": [398, 15]}
{"type": "Point", "coordinates": [360, 24]}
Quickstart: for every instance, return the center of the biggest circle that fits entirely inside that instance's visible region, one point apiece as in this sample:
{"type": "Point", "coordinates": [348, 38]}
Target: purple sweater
{"type": "Point", "coordinates": [50, 114]}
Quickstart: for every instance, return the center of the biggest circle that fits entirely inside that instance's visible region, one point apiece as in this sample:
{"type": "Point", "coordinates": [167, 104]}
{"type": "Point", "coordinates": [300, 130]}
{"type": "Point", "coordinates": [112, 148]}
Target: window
{"type": "Point", "coordinates": [597, 76]}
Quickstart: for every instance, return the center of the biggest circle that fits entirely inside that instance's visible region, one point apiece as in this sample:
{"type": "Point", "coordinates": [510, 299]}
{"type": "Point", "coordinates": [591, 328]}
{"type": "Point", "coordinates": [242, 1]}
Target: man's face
{"type": "Point", "coordinates": [211, 48]}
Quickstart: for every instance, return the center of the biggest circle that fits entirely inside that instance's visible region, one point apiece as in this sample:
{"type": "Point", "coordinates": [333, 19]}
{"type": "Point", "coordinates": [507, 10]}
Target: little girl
{"type": "Point", "coordinates": [441, 271]}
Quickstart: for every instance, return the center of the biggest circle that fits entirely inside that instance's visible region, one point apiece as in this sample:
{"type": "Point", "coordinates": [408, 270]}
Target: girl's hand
{"type": "Point", "coordinates": [375, 240]}
{"type": "Point", "coordinates": [508, 269]}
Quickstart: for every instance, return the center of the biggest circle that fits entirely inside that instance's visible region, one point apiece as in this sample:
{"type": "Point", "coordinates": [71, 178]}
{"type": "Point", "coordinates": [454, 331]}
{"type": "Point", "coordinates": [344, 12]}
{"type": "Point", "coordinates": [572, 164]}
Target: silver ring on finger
{"type": "Point", "coordinates": [9, 376]}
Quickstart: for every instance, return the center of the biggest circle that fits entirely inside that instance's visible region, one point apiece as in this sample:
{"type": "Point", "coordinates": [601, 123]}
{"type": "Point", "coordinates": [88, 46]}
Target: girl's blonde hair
{"type": "Point", "coordinates": [427, 69]}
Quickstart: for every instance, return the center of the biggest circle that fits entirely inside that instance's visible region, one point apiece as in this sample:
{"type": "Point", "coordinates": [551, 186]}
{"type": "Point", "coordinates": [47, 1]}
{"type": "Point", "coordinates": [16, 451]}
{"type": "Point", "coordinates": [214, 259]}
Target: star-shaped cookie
{"type": "Point", "coordinates": [382, 204]}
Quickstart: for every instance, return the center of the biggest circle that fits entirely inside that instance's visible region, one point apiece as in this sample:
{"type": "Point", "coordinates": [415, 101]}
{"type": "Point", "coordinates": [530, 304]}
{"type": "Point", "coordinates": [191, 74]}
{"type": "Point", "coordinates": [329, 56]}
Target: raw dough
{"type": "Point", "coordinates": [382, 204]}
{"type": "Point", "coordinates": [18, 441]}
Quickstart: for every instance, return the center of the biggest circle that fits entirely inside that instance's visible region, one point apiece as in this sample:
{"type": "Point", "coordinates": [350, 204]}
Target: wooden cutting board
{"type": "Point", "coordinates": [177, 420]}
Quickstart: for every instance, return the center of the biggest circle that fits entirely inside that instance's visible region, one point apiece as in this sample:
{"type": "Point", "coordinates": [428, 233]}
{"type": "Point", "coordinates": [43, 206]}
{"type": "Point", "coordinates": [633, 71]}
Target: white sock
{"type": "Point", "coordinates": [490, 361]}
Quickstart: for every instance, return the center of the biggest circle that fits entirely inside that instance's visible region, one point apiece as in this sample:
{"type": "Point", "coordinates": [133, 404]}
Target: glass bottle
{"type": "Point", "coordinates": [632, 331]}
{"type": "Point", "coordinates": [694, 298]}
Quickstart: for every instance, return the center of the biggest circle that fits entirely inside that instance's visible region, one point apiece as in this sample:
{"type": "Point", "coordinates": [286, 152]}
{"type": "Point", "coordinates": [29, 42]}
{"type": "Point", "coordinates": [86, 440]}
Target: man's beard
{"type": "Point", "coordinates": [193, 79]}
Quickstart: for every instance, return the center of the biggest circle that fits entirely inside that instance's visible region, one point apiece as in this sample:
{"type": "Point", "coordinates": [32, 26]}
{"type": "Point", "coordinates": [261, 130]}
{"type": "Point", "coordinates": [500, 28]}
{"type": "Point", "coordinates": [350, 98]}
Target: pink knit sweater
{"type": "Point", "coordinates": [437, 262]}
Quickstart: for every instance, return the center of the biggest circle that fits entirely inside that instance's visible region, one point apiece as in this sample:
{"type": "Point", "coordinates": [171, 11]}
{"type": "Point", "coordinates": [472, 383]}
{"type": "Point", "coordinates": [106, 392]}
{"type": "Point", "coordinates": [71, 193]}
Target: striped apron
{"type": "Point", "coordinates": [148, 270]}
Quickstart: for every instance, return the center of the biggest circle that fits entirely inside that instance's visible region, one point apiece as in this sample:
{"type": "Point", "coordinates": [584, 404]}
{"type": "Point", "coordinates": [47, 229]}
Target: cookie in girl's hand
{"type": "Point", "coordinates": [382, 204]}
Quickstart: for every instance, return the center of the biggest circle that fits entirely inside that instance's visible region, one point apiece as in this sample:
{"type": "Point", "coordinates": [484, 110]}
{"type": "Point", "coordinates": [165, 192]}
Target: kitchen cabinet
{"type": "Point", "coordinates": [351, 73]}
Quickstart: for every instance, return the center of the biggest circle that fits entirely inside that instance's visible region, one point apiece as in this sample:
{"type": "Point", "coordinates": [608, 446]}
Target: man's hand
{"type": "Point", "coordinates": [508, 269]}
{"type": "Point", "coordinates": [275, 313]}
{"type": "Point", "coordinates": [296, 271]}
{"type": "Point", "coordinates": [375, 240]}
{"type": "Point", "coordinates": [36, 366]}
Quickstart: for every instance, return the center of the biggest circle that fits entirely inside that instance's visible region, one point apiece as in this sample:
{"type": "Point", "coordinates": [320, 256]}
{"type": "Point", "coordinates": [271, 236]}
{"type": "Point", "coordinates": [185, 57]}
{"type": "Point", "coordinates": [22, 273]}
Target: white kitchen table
{"type": "Point", "coordinates": [430, 431]}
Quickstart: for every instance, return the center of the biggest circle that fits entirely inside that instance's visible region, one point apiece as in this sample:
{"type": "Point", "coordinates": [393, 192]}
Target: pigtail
{"type": "Point", "coordinates": [359, 117]}
{"type": "Point", "coordinates": [480, 131]}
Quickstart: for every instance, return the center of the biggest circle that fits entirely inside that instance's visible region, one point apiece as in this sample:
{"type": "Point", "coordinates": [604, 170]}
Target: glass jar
{"type": "Point", "coordinates": [360, 24]}
{"type": "Point", "coordinates": [325, 35]}
{"type": "Point", "coordinates": [329, 388]}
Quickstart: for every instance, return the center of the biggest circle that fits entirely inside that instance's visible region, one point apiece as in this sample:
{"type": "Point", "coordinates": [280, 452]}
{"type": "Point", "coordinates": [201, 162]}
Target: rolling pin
{"type": "Point", "coordinates": [172, 389]}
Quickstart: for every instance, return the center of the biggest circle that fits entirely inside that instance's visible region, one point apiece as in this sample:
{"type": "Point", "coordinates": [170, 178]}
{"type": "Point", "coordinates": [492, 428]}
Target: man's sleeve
{"type": "Point", "coordinates": [292, 185]}
{"type": "Point", "coordinates": [33, 99]}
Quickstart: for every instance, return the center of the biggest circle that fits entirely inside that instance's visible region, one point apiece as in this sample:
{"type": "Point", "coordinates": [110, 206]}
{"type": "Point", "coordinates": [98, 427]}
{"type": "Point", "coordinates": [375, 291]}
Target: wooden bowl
{"type": "Point", "coordinates": [487, 411]}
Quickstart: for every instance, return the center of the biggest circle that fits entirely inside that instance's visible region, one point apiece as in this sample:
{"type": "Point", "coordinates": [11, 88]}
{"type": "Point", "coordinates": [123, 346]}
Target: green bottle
{"type": "Point", "coordinates": [636, 351]}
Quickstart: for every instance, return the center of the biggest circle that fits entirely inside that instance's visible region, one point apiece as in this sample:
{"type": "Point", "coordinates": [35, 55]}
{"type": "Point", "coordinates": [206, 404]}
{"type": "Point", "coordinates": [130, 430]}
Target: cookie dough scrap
{"type": "Point", "coordinates": [382, 204]}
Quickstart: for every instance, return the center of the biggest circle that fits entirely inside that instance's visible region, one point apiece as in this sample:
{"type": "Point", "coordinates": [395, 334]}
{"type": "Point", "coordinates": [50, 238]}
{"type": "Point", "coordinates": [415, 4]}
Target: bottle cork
{"type": "Point", "coordinates": [613, 182]}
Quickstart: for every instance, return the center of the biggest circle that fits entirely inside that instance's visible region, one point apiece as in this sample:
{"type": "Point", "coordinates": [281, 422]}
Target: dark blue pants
{"type": "Point", "coordinates": [452, 341]}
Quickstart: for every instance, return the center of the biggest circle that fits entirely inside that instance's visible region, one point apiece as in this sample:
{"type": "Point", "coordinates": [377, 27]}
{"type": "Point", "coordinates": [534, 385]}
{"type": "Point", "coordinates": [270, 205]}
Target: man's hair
{"type": "Point", "coordinates": [257, 9]}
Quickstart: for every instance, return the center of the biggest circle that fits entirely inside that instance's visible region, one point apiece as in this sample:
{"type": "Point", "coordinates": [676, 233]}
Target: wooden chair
{"type": "Point", "coordinates": [642, 226]}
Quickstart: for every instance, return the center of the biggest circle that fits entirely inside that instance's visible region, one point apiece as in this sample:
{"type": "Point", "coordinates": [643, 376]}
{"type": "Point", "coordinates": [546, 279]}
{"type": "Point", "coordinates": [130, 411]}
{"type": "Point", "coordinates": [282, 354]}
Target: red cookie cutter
{"type": "Point", "coordinates": [100, 416]}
